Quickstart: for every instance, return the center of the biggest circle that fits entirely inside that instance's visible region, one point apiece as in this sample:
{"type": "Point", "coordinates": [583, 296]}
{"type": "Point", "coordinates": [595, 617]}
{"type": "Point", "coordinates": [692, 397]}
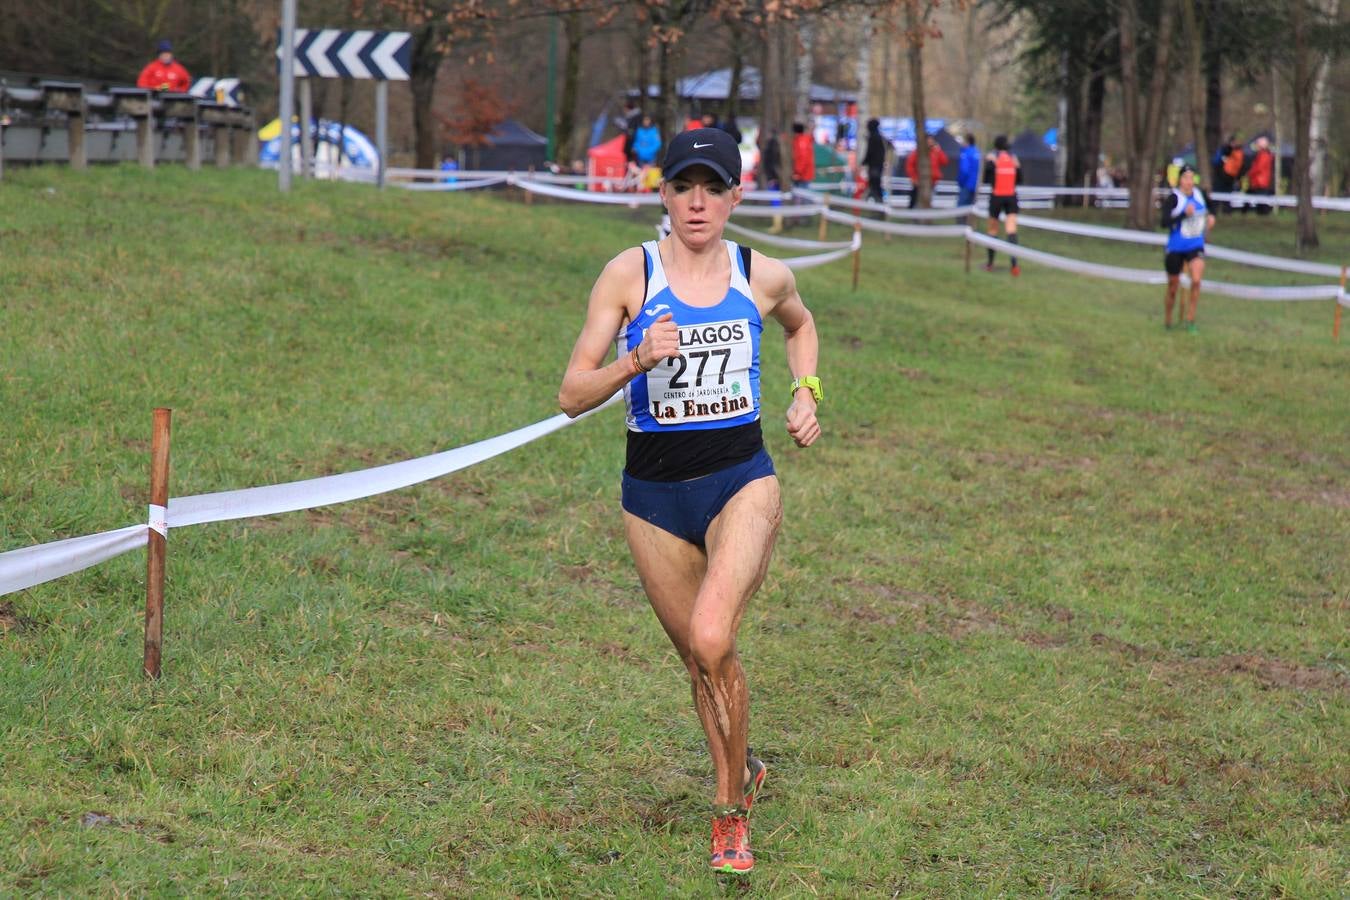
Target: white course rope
{"type": "Point", "coordinates": [896, 227]}
{"type": "Point", "coordinates": [29, 566]}
{"type": "Point", "coordinates": [765, 212]}
{"type": "Point", "coordinates": [778, 240]}
{"type": "Point", "coordinates": [457, 185]}
{"type": "Point", "coordinates": [820, 259]}
{"type": "Point", "coordinates": [841, 248]}
{"type": "Point", "coordinates": [1146, 276]}
{"type": "Point", "coordinates": [1212, 251]}
{"type": "Point", "coordinates": [561, 193]}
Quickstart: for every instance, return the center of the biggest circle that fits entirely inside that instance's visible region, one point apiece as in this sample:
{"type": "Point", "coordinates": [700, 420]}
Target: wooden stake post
{"type": "Point", "coordinates": [857, 254]}
{"type": "Point", "coordinates": [825, 206]}
{"type": "Point", "coordinates": [158, 545]}
{"type": "Point", "coordinates": [1336, 325]}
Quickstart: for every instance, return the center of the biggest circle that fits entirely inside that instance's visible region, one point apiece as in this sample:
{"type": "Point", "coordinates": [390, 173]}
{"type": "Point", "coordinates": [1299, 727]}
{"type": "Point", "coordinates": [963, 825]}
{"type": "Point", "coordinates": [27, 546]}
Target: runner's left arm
{"type": "Point", "coordinates": [775, 282]}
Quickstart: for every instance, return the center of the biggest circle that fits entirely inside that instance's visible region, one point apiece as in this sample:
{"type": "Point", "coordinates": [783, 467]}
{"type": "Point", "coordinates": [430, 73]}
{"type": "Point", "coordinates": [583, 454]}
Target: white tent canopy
{"type": "Point", "coordinates": [716, 85]}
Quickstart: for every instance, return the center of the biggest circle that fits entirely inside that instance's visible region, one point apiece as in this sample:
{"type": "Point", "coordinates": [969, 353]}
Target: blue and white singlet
{"type": "Point", "coordinates": [714, 382]}
{"type": "Point", "coordinates": [1187, 232]}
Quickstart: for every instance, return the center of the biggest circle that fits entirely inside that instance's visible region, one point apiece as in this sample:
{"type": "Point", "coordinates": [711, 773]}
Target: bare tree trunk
{"type": "Point", "coordinates": [864, 76]}
{"type": "Point", "coordinates": [1073, 128]}
{"type": "Point", "coordinates": [914, 34]}
{"type": "Point", "coordinates": [1305, 72]}
{"type": "Point", "coordinates": [643, 51]}
{"type": "Point", "coordinates": [803, 101]}
{"type": "Point", "coordinates": [426, 62]}
{"type": "Point", "coordinates": [1142, 125]}
{"type": "Point", "coordinates": [1321, 111]}
{"type": "Point", "coordinates": [1092, 118]}
{"type": "Point", "coordinates": [775, 93]}
{"type": "Point", "coordinates": [1195, 78]}
{"type": "Point", "coordinates": [575, 32]}
{"type": "Point", "coordinates": [1213, 82]}
{"type": "Point", "coordinates": [666, 63]}
{"type": "Point", "coordinates": [738, 48]}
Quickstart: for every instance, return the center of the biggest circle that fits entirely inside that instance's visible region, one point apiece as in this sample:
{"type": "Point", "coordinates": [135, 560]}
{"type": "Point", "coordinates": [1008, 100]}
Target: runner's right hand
{"type": "Point", "coordinates": [662, 341]}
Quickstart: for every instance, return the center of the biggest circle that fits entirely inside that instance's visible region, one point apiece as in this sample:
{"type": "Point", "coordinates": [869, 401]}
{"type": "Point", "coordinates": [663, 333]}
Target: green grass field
{"type": "Point", "coordinates": [1060, 605]}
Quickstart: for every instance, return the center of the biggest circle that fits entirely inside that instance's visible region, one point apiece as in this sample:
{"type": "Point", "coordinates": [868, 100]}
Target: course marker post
{"type": "Point", "coordinates": [1336, 325]}
{"type": "Point", "coordinates": [824, 208]}
{"type": "Point", "coordinates": [158, 543]}
{"type": "Point", "coordinates": [967, 243]}
{"type": "Point", "coordinates": [528, 195]}
{"type": "Point", "coordinates": [857, 251]}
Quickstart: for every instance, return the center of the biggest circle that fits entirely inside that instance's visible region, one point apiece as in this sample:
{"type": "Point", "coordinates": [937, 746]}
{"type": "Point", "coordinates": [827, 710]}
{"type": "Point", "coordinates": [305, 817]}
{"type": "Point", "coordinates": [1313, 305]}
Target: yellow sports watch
{"type": "Point", "coordinates": [808, 381]}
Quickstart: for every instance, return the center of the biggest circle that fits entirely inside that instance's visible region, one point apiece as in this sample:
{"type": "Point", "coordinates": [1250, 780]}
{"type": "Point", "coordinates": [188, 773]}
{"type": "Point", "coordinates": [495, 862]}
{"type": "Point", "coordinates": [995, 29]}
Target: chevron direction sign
{"type": "Point", "coordinates": [334, 53]}
{"type": "Point", "coordinates": [221, 90]}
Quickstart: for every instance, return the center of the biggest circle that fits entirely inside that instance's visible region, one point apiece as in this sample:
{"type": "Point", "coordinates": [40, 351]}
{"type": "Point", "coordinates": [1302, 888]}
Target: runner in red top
{"type": "Point", "coordinates": [937, 158]}
{"type": "Point", "coordinates": [803, 156]}
{"type": "Point", "coordinates": [1003, 172]}
{"type": "Point", "coordinates": [164, 73]}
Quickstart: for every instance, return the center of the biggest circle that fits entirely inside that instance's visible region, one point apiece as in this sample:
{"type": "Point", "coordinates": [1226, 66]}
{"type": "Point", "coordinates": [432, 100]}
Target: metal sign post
{"type": "Point", "coordinates": [286, 106]}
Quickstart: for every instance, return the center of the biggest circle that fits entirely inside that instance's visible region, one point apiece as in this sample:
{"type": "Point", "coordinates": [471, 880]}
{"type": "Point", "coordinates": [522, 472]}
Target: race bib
{"type": "Point", "coordinates": [1193, 226]}
{"type": "Point", "coordinates": [709, 380]}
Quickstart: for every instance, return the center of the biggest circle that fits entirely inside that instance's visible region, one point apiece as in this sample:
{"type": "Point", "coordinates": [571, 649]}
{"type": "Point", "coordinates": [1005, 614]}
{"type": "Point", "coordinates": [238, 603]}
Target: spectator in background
{"type": "Point", "coordinates": [1233, 166]}
{"type": "Point", "coordinates": [646, 142]}
{"type": "Point", "coordinates": [449, 168]}
{"type": "Point", "coordinates": [1261, 175]}
{"type": "Point", "coordinates": [729, 126]}
{"type": "Point", "coordinates": [968, 172]}
{"type": "Point", "coordinates": [937, 158]}
{"type": "Point", "coordinates": [632, 118]}
{"type": "Point", "coordinates": [164, 73]}
{"type": "Point", "coordinates": [803, 156]}
{"type": "Point", "coordinates": [770, 161]}
{"type": "Point", "coordinates": [874, 160]}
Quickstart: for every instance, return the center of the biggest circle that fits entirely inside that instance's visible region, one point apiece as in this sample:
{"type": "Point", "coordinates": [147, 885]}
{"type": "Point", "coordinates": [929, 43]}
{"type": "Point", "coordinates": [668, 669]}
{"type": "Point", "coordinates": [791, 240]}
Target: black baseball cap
{"type": "Point", "coordinates": [711, 147]}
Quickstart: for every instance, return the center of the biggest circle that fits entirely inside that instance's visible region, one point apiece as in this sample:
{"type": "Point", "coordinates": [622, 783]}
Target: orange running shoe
{"type": "Point", "coordinates": [731, 843]}
{"type": "Point", "coordinates": [1016, 270]}
{"type": "Point", "coordinates": [757, 772]}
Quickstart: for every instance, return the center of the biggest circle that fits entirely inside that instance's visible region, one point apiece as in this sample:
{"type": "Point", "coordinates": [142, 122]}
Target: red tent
{"type": "Point", "coordinates": [607, 161]}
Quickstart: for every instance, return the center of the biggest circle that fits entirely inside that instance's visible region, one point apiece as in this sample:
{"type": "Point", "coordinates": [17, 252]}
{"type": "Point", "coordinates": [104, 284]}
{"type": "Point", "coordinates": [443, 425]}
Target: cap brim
{"type": "Point", "coordinates": [669, 173]}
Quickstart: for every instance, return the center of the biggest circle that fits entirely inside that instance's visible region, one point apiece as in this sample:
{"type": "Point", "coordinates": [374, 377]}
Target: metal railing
{"type": "Point", "coordinates": [49, 121]}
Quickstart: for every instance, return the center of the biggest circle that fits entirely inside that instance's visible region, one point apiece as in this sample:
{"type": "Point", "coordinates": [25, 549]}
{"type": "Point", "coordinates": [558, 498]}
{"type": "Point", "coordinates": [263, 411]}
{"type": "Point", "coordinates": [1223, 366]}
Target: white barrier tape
{"type": "Point", "coordinates": [448, 185]}
{"type": "Point", "coordinates": [548, 190]}
{"type": "Point", "coordinates": [159, 520]}
{"type": "Point", "coordinates": [946, 212]}
{"type": "Point", "coordinates": [563, 178]}
{"type": "Point", "coordinates": [395, 172]}
{"type": "Point", "coordinates": [1259, 260]}
{"type": "Point", "coordinates": [896, 227]}
{"type": "Point", "coordinates": [820, 259]}
{"type": "Point", "coordinates": [842, 248]}
{"type": "Point", "coordinates": [767, 196]}
{"type": "Point", "coordinates": [1145, 276]}
{"type": "Point", "coordinates": [767, 212]}
{"type": "Point", "coordinates": [307, 494]}
{"type": "Point", "coordinates": [29, 566]}
{"type": "Point", "coordinates": [778, 240]}
{"type": "Point", "coordinates": [1340, 204]}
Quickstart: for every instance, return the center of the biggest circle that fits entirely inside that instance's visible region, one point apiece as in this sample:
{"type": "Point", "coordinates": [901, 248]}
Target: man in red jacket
{"type": "Point", "coordinates": [937, 158]}
{"type": "Point", "coordinates": [1261, 175]}
{"type": "Point", "coordinates": [164, 73]}
{"type": "Point", "coordinates": [803, 156]}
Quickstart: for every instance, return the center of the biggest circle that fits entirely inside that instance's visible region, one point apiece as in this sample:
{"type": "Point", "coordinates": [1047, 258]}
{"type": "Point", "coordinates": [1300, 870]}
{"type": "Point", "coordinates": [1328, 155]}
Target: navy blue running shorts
{"type": "Point", "coordinates": [686, 508]}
